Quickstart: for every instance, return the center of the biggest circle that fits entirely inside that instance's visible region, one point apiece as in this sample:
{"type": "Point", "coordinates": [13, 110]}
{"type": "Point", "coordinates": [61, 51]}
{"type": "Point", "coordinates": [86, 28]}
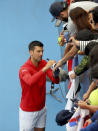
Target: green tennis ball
{"type": "Point", "coordinates": [94, 98]}
{"type": "Point", "coordinates": [59, 39]}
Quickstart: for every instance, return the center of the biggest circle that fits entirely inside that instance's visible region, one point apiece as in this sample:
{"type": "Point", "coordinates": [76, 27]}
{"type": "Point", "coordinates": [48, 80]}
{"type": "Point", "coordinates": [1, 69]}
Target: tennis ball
{"type": "Point", "coordinates": [78, 51]}
{"type": "Point", "coordinates": [59, 39]}
{"type": "Point", "coordinates": [93, 98]}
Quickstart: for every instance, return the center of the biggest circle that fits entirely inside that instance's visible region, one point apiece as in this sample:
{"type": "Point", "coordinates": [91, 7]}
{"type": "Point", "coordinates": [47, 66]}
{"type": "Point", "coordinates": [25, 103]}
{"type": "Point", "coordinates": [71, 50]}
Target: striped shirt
{"type": "Point", "coordinates": [83, 44]}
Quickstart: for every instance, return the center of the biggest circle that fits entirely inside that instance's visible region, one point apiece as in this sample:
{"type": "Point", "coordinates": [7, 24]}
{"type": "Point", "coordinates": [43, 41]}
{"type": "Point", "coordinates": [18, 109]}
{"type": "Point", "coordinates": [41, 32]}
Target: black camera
{"type": "Point", "coordinates": [56, 72]}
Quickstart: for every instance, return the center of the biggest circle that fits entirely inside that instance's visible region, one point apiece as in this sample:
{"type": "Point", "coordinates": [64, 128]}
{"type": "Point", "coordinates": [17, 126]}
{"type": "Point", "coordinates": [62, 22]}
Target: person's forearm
{"type": "Point", "coordinates": [82, 67]}
{"type": "Point", "coordinates": [67, 49]}
{"type": "Point", "coordinates": [44, 69]}
{"type": "Point", "coordinates": [91, 87]}
{"type": "Point", "coordinates": [91, 108]}
{"type": "Point", "coordinates": [70, 54]}
{"type": "Point", "coordinates": [32, 79]}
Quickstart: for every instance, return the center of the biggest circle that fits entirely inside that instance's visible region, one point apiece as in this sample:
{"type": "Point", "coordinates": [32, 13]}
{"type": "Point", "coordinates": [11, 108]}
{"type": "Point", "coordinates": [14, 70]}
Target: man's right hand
{"type": "Point", "coordinates": [48, 65]}
{"type": "Point", "coordinates": [74, 41]}
{"type": "Point", "coordinates": [82, 104]}
{"type": "Point", "coordinates": [62, 39]}
{"type": "Point", "coordinates": [73, 76]}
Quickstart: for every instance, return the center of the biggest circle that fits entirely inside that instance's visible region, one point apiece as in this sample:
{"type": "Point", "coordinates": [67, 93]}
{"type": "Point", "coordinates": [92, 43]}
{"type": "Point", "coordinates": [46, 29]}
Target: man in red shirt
{"type": "Point", "coordinates": [32, 74]}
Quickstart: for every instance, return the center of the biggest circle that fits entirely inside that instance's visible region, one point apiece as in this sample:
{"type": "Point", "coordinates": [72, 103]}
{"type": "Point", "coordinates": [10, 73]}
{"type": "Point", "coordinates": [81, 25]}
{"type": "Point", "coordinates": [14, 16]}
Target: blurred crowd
{"type": "Point", "coordinates": [79, 36]}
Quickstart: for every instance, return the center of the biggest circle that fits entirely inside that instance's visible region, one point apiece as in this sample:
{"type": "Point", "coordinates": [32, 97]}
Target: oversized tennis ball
{"type": "Point", "coordinates": [93, 98]}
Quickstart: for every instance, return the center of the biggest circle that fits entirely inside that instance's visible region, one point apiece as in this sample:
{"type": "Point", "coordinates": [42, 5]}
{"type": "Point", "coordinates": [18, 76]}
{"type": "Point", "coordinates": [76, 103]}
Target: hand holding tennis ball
{"type": "Point", "coordinates": [61, 40]}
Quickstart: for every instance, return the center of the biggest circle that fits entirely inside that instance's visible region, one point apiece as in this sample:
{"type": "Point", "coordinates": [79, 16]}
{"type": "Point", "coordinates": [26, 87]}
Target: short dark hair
{"type": "Point", "coordinates": [94, 71]}
{"type": "Point", "coordinates": [89, 47]}
{"type": "Point", "coordinates": [57, 7]}
{"type": "Point", "coordinates": [95, 14]}
{"type": "Point", "coordinates": [35, 43]}
{"type": "Point", "coordinates": [93, 56]}
{"type": "Point", "coordinates": [85, 35]}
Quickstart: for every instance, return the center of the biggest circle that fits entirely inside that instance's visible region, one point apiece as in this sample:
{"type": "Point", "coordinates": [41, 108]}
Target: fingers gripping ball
{"type": "Point", "coordinates": [59, 40]}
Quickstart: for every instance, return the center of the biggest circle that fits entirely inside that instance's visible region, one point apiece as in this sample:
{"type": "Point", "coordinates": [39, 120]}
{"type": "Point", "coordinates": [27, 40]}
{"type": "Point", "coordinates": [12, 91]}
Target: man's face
{"type": "Point", "coordinates": [37, 53]}
{"type": "Point", "coordinates": [63, 16]}
{"type": "Point", "coordinates": [91, 21]}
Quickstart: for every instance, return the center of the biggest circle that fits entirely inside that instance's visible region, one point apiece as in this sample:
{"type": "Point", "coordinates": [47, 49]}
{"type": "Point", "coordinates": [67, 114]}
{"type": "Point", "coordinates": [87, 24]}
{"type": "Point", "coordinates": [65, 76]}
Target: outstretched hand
{"type": "Point", "coordinates": [58, 64]}
{"type": "Point", "coordinates": [48, 65]}
{"type": "Point", "coordinates": [73, 41]}
{"type": "Point", "coordinates": [61, 39]}
{"type": "Point", "coordinates": [72, 76]}
{"type": "Point", "coordinates": [82, 104]}
{"type": "Point", "coordinates": [85, 96]}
